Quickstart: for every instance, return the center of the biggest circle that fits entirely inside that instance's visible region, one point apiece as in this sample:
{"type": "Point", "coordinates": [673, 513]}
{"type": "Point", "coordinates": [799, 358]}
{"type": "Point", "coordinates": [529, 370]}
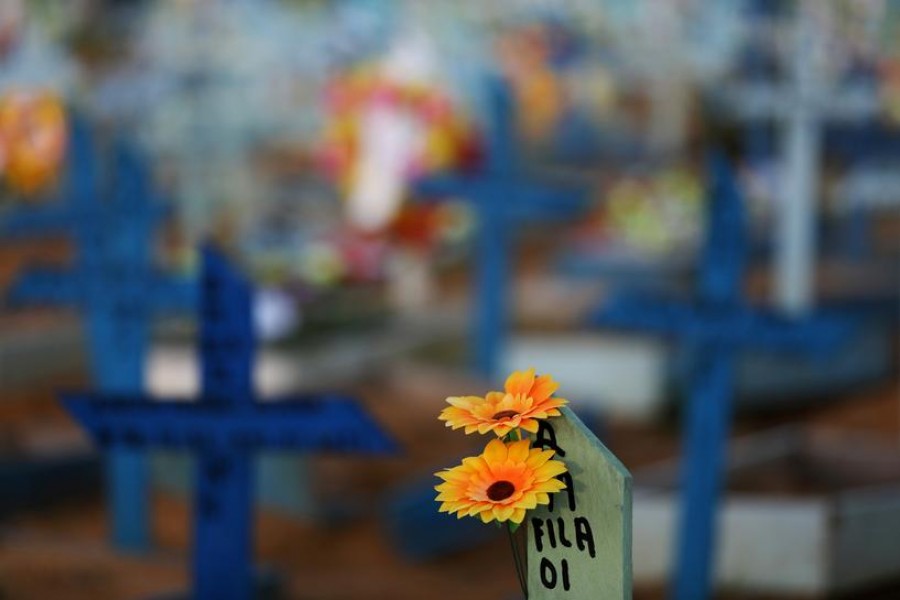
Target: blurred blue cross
{"type": "Point", "coordinates": [224, 428]}
{"type": "Point", "coordinates": [502, 196]}
{"type": "Point", "coordinates": [114, 283]}
{"type": "Point", "coordinates": [714, 325]}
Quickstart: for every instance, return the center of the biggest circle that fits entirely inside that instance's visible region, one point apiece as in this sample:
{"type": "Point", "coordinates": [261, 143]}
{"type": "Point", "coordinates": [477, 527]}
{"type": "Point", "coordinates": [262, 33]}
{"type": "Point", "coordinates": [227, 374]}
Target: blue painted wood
{"type": "Point", "coordinates": [502, 195]}
{"type": "Point", "coordinates": [224, 428]}
{"type": "Point", "coordinates": [78, 196]}
{"type": "Point", "coordinates": [713, 325]}
{"type": "Point", "coordinates": [115, 284]}
{"type": "Point", "coordinates": [708, 426]}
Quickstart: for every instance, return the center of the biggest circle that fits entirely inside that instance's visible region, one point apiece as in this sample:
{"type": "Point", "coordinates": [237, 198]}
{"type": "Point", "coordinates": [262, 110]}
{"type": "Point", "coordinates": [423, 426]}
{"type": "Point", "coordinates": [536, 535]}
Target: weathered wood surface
{"type": "Point", "coordinates": [580, 545]}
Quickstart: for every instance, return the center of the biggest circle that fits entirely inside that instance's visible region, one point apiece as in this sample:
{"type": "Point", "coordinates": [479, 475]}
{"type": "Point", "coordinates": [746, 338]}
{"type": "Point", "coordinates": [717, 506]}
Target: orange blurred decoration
{"type": "Point", "coordinates": [32, 140]}
{"type": "Point", "coordinates": [525, 56]}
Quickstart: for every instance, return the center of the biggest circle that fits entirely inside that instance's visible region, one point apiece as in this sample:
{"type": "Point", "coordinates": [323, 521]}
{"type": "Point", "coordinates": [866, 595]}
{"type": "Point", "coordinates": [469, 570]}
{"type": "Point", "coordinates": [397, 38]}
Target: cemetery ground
{"type": "Point", "coordinates": [62, 552]}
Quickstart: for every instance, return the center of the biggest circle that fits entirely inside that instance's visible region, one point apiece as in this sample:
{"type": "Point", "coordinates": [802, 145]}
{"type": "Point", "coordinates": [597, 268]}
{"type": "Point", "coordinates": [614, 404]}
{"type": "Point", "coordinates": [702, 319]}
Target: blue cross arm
{"type": "Point", "coordinates": [331, 423]}
{"type": "Point", "coordinates": [49, 219]}
{"type": "Point", "coordinates": [156, 212]}
{"type": "Point", "coordinates": [445, 185]}
{"type": "Point", "coordinates": [45, 286]}
{"type": "Point", "coordinates": [639, 312]}
{"type": "Point", "coordinates": [174, 294]}
{"type": "Point", "coordinates": [518, 199]}
{"type": "Point", "coordinates": [731, 325]}
{"type": "Point", "coordinates": [540, 200]}
{"type": "Point", "coordinates": [820, 334]}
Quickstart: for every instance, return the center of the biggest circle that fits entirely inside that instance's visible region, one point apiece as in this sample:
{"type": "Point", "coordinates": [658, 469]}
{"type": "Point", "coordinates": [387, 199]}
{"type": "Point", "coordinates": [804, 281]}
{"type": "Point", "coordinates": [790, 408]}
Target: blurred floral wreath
{"type": "Point", "coordinates": [446, 133]}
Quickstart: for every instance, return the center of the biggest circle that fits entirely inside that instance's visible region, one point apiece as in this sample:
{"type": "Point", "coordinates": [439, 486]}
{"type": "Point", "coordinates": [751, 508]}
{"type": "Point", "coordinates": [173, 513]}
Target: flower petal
{"type": "Point", "coordinates": [538, 457]}
{"type": "Point", "coordinates": [503, 513]}
{"type": "Point", "coordinates": [528, 501]}
{"type": "Point", "coordinates": [519, 382]}
{"type": "Point", "coordinates": [518, 516]}
{"type": "Point", "coordinates": [496, 451]}
{"type": "Point", "coordinates": [550, 469]}
{"type": "Point", "coordinates": [529, 425]}
{"type": "Point", "coordinates": [544, 387]}
{"type": "Point", "coordinates": [465, 402]}
{"type": "Point", "coordinates": [519, 451]}
{"type": "Point", "coordinates": [550, 486]}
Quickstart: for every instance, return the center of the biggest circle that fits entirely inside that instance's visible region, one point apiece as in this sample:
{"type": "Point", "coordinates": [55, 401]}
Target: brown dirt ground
{"type": "Point", "coordinates": [62, 553]}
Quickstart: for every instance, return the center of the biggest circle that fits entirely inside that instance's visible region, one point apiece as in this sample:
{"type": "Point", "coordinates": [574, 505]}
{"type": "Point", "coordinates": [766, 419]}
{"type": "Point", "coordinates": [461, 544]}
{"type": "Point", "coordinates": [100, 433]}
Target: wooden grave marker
{"type": "Point", "coordinates": [579, 546]}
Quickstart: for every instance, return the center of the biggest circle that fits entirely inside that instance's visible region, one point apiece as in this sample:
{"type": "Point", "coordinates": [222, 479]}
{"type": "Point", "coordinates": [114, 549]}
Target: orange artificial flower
{"type": "Point", "coordinates": [525, 400]}
{"type": "Point", "coordinates": [502, 483]}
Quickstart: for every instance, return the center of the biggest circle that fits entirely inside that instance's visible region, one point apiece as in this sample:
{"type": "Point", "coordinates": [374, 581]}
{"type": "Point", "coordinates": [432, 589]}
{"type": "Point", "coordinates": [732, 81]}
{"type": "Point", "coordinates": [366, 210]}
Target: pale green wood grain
{"type": "Point", "coordinates": [602, 488]}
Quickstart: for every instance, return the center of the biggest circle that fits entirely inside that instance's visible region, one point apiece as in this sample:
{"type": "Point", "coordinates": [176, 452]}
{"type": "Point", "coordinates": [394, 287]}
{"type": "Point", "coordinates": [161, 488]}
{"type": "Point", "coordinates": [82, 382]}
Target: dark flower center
{"type": "Point", "coordinates": [504, 414]}
{"type": "Point", "coordinates": [500, 490]}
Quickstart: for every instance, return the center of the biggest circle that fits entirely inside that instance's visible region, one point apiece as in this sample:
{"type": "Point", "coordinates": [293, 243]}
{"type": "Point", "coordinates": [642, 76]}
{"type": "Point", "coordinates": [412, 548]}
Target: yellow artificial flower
{"type": "Point", "coordinates": [525, 400]}
{"type": "Point", "coordinates": [502, 483]}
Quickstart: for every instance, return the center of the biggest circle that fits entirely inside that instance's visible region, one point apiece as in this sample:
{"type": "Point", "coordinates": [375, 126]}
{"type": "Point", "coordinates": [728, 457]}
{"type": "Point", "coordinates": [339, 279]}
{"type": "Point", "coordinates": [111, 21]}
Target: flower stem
{"type": "Point", "coordinates": [520, 574]}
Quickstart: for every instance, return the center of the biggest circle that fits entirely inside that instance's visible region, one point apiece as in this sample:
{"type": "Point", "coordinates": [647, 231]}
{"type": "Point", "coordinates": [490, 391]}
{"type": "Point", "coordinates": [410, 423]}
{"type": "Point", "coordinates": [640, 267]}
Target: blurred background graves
{"type": "Point", "coordinates": [311, 141]}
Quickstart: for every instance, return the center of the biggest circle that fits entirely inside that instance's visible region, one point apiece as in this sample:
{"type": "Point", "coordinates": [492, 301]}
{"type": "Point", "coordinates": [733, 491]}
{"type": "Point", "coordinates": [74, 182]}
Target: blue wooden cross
{"type": "Point", "coordinates": [502, 196]}
{"type": "Point", "coordinates": [114, 282]}
{"type": "Point", "coordinates": [713, 326]}
{"type": "Point", "coordinates": [224, 428]}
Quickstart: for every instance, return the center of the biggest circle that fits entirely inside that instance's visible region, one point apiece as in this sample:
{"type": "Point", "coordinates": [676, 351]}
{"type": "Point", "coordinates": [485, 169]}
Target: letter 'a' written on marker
{"type": "Point", "coordinates": [579, 546]}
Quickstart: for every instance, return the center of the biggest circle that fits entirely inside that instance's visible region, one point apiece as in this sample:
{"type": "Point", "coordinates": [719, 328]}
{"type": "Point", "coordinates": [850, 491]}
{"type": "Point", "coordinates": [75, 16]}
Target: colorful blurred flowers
{"type": "Point", "coordinates": [526, 399]}
{"type": "Point", "coordinates": [446, 136]}
{"type": "Point", "coordinates": [502, 483]}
